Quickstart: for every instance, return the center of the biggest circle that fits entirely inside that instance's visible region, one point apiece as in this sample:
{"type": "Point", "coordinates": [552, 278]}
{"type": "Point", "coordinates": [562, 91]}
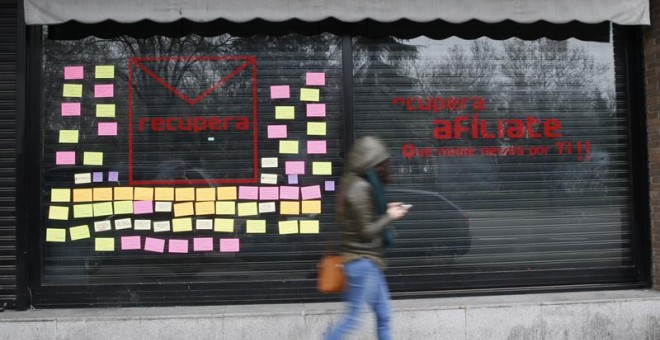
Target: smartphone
{"type": "Point", "coordinates": [406, 206]}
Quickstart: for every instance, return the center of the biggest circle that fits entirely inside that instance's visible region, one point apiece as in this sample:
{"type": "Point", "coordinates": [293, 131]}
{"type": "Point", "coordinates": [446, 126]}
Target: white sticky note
{"type": "Point", "coordinates": [161, 226]}
{"type": "Point", "coordinates": [269, 162]}
{"type": "Point", "coordinates": [142, 225]}
{"type": "Point", "coordinates": [268, 179]}
{"type": "Point", "coordinates": [100, 226]}
{"type": "Point", "coordinates": [204, 224]}
{"type": "Point", "coordinates": [163, 206]}
{"type": "Point", "coordinates": [266, 207]}
{"type": "Point", "coordinates": [124, 223]}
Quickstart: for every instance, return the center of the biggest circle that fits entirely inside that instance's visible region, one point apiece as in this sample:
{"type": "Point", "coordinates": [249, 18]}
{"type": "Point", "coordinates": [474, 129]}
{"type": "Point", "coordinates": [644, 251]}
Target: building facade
{"type": "Point", "coordinates": [174, 156]}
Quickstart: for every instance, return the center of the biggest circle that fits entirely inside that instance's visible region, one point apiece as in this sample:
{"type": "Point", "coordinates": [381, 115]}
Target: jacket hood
{"type": "Point", "coordinates": [366, 153]}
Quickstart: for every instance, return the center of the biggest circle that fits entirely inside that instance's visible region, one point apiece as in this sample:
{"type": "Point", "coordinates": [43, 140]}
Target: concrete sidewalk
{"type": "Point", "coordinates": [628, 314]}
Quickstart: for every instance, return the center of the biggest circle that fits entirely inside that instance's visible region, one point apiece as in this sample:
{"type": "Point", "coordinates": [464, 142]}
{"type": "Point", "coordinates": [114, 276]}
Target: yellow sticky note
{"type": "Point", "coordinates": [60, 195]}
{"type": "Point", "coordinates": [205, 208]}
{"type": "Point", "coordinates": [227, 194]}
{"type": "Point", "coordinates": [181, 224]}
{"type": "Point", "coordinates": [143, 194]}
{"type": "Point", "coordinates": [79, 232]}
{"type": "Point", "coordinates": [123, 207]}
{"type": "Point", "coordinates": [225, 225]}
{"type": "Point", "coordinates": [104, 244]}
{"type": "Point", "coordinates": [289, 146]}
{"type": "Point", "coordinates": [205, 194]}
{"type": "Point", "coordinates": [164, 194]}
{"type": "Point", "coordinates": [311, 207]}
{"type": "Point", "coordinates": [316, 128]}
{"type": "Point", "coordinates": [225, 208]}
{"type": "Point", "coordinates": [309, 95]}
{"type": "Point", "coordinates": [69, 136]}
{"type": "Point", "coordinates": [92, 158]}
{"type": "Point", "coordinates": [247, 209]}
{"type": "Point", "coordinates": [83, 210]}
{"type": "Point", "coordinates": [102, 209]}
{"type": "Point", "coordinates": [72, 90]}
{"type": "Point", "coordinates": [285, 112]}
{"type": "Point", "coordinates": [55, 235]}
{"type": "Point", "coordinates": [82, 195]}
{"type": "Point", "coordinates": [183, 209]}
{"type": "Point", "coordinates": [255, 226]}
{"type": "Point", "coordinates": [104, 71]}
{"type": "Point", "coordinates": [102, 194]}
{"type": "Point", "coordinates": [309, 227]}
{"type": "Point", "coordinates": [289, 208]}
{"type": "Point", "coordinates": [185, 194]}
{"type": "Point", "coordinates": [105, 110]}
{"type": "Point", "coordinates": [288, 227]}
{"type": "Point", "coordinates": [123, 193]}
{"type": "Point", "coordinates": [58, 213]}
{"type": "Point", "coordinates": [321, 168]}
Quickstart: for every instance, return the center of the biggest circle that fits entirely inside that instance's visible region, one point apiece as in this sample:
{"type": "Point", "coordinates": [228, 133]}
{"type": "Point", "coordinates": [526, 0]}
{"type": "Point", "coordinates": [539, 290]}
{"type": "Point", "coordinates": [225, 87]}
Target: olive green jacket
{"type": "Point", "coordinates": [361, 225]}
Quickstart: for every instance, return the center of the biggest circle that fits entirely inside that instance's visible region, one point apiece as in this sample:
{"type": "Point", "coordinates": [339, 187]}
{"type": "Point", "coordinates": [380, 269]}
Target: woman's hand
{"type": "Point", "coordinates": [396, 211]}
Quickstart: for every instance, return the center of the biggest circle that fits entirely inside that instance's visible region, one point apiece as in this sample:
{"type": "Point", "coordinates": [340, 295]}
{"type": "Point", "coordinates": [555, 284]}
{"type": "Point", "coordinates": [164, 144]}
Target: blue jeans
{"type": "Point", "coordinates": [366, 286]}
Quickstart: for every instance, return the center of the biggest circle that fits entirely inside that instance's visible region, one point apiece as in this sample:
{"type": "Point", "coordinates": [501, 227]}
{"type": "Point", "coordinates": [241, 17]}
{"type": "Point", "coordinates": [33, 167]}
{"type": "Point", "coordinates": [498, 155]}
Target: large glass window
{"type": "Point", "coordinates": [203, 169]}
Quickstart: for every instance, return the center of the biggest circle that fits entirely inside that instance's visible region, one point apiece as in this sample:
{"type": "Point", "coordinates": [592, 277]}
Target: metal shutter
{"type": "Point", "coordinates": [8, 74]}
{"type": "Point", "coordinates": [493, 221]}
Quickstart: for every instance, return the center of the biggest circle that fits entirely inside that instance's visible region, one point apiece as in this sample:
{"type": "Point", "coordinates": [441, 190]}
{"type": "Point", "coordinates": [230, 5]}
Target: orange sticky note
{"type": "Point", "coordinates": [185, 194]}
{"type": "Point", "coordinates": [289, 208]}
{"type": "Point", "coordinates": [123, 193]}
{"type": "Point", "coordinates": [102, 194]}
{"type": "Point", "coordinates": [205, 194]}
{"type": "Point", "coordinates": [164, 194]}
{"type": "Point", "coordinates": [184, 209]}
{"type": "Point", "coordinates": [205, 208]}
{"type": "Point", "coordinates": [82, 195]}
{"type": "Point", "coordinates": [227, 194]}
{"type": "Point", "coordinates": [311, 207]}
{"type": "Point", "coordinates": [143, 194]}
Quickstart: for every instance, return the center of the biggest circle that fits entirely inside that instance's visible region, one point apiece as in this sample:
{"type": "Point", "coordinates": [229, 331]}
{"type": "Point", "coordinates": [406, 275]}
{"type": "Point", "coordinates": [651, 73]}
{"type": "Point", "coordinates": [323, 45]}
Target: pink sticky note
{"type": "Point", "coordinates": [311, 192]}
{"type": "Point", "coordinates": [154, 244]}
{"type": "Point", "coordinates": [277, 131]}
{"type": "Point", "coordinates": [315, 78]}
{"type": "Point", "coordinates": [178, 246]}
{"type": "Point", "coordinates": [280, 92]}
{"type": "Point", "coordinates": [329, 185]}
{"type": "Point", "coordinates": [65, 157]}
{"type": "Point", "coordinates": [130, 242]}
{"type": "Point", "coordinates": [70, 109]}
{"type": "Point", "coordinates": [73, 72]}
{"type": "Point", "coordinates": [293, 179]}
{"type": "Point", "coordinates": [248, 193]}
{"type": "Point", "coordinates": [289, 193]}
{"type": "Point", "coordinates": [104, 90]}
{"type": "Point", "coordinates": [269, 193]}
{"type": "Point", "coordinates": [143, 207]}
{"type": "Point", "coordinates": [203, 244]}
{"type": "Point", "coordinates": [108, 129]}
{"type": "Point", "coordinates": [316, 147]}
{"type": "Point", "coordinates": [315, 110]}
{"type": "Point", "coordinates": [229, 245]}
{"type": "Point", "coordinates": [294, 168]}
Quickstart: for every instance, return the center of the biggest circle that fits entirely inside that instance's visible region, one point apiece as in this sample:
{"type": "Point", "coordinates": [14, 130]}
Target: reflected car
{"type": "Point", "coordinates": [435, 228]}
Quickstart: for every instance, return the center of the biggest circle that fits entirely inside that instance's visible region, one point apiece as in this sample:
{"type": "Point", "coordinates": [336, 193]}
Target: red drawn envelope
{"type": "Point", "coordinates": [145, 124]}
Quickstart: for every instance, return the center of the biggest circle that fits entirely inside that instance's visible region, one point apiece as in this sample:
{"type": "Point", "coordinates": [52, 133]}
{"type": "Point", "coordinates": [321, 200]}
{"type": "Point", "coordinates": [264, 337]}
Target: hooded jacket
{"type": "Point", "coordinates": [361, 225]}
